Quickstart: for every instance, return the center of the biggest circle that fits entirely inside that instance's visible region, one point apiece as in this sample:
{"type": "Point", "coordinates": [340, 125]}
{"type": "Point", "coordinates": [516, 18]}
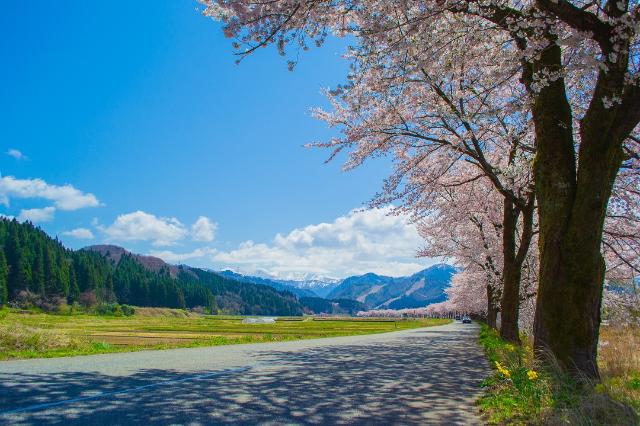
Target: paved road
{"type": "Point", "coordinates": [421, 376]}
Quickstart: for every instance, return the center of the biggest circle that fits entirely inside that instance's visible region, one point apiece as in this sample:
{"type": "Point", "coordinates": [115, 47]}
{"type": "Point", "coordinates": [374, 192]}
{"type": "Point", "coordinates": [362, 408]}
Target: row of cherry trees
{"type": "Point", "coordinates": [511, 124]}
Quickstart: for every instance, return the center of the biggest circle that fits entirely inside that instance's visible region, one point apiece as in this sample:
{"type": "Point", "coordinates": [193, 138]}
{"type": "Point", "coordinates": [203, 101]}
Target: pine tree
{"type": "Point", "coordinates": [37, 282]}
{"type": "Point", "coordinates": [18, 268]}
{"type": "Point", "coordinates": [74, 289]}
{"type": "Point", "coordinates": [4, 275]}
{"type": "Point", "coordinates": [51, 271]}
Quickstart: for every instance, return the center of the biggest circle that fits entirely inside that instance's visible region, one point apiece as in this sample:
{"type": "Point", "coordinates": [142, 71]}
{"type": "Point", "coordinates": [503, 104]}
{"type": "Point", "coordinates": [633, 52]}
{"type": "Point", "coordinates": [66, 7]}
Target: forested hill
{"type": "Point", "coordinates": [33, 262]}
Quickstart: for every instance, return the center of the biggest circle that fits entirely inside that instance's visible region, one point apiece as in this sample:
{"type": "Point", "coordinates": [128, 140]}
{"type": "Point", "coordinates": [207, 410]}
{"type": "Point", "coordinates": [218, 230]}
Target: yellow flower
{"type": "Point", "coordinates": [532, 375]}
{"type": "Point", "coordinates": [510, 348]}
{"type": "Point", "coordinates": [503, 370]}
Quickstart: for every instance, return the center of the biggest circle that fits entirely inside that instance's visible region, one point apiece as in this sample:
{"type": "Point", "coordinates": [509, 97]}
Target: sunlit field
{"type": "Point", "coordinates": [31, 335]}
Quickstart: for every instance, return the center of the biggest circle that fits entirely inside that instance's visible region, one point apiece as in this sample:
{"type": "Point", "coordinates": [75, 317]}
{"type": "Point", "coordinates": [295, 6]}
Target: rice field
{"type": "Point", "coordinates": [29, 335]}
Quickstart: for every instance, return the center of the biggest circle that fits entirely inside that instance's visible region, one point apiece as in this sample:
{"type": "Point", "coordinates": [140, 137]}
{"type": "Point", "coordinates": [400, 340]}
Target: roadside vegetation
{"type": "Point", "coordinates": [524, 390]}
{"type": "Point", "coordinates": [33, 334]}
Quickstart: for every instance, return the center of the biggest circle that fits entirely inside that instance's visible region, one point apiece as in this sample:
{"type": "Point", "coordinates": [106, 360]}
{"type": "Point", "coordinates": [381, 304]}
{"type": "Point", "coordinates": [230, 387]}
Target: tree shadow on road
{"type": "Point", "coordinates": [429, 378]}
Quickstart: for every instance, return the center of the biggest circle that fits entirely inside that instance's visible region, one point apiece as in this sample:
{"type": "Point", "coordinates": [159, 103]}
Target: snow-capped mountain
{"type": "Point", "coordinates": [306, 284]}
{"type": "Point", "coordinates": [379, 291]}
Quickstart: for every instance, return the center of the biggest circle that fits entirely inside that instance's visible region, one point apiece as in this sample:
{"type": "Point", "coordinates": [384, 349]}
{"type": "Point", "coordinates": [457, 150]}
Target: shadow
{"type": "Point", "coordinates": [423, 377]}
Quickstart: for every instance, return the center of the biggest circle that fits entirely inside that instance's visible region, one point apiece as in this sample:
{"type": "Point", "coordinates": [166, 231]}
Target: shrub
{"type": "Point", "coordinates": [88, 299]}
{"type": "Point", "coordinates": [109, 309]}
{"type": "Point", "coordinates": [199, 310]}
{"type": "Point", "coordinates": [128, 310]}
{"type": "Point", "coordinates": [26, 299]}
{"type": "Point", "coordinates": [114, 309]}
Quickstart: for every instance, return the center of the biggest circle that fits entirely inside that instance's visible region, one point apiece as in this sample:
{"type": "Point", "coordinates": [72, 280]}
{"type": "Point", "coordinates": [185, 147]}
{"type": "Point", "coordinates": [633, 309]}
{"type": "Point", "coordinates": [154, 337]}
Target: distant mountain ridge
{"type": "Point", "coordinates": [33, 262]}
{"type": "Point", "coordinates": [382, 292]}
{"type": "Point", "coordinates": [115, 253]}
{"type": "Point", "coordinates": [39, 269]}
{"type": "Point", "coordinates": [311, 286]}
{"type": "Point", "coordinates": [369, 290]}
{"type": "Point", "coordinates": [229, 295]}
{"type": "Point", "coordinates": [278, 285]}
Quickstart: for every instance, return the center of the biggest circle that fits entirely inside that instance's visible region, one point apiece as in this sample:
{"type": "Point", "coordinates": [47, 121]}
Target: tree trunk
{"type": "Point", "coordinates": [572, 206]}
{"type": "Point", "coordinates": [513, 260]}
{"type": "Point", "coordinates": [511, 274]}
{"type": "Point", "coordinates": [572, 267]}
{"type": "Point", "coordinates": [492, 307]}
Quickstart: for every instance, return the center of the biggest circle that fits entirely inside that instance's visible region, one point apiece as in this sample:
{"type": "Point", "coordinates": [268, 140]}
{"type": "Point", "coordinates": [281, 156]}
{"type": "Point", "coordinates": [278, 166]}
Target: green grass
{"type": "Point", "coordinates": [39, 335]}
{"type": "Point", "coordinates": [511, 396]}
{"type": "Point", "coordinates": [523, 391]}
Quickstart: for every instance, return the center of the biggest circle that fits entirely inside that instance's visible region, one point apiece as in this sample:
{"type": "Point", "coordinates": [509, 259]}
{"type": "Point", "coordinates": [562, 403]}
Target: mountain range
{"type": "Point", "coordinates": [382, 292]}
{"type": "Point", "coordinates": [338, 296]}
{"type": "Point", "coordinates": [310, 287]}
{"type": "Point", "coordinates": [371, 290]}
{"type": "Point", "coordinates": [277, 284]}
{"type": "Point", "coordinates": [38, 270]}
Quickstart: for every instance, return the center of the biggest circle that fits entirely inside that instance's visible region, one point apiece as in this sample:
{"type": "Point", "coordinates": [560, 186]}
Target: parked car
{"type": "Point", "coordinates": [458, 318]}
{"type": "Point", "coordinates": [466, 320]}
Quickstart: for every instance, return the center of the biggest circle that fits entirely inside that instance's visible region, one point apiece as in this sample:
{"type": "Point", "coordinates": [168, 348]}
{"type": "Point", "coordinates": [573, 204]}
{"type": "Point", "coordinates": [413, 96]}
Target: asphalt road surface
{"type": "Point", "coordinates": [421, 376]}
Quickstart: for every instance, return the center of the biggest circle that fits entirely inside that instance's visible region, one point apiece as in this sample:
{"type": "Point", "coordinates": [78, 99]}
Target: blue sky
{"type": "Point", "coordinates": [139, 108]}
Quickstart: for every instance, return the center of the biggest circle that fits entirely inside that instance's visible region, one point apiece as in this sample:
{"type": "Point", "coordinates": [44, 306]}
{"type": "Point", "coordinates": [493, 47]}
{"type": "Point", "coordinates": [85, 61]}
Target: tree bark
{"type": "Point", "coordinates": [572, 270]}
{"type": "Point", "coordinates": [572, 205]}
{"type": "Point", "coordinates": [492, 307]}
{"type": "Point", "coordinates": [511, 274]}
{"type": "Point", "coordinates": [513, 259]}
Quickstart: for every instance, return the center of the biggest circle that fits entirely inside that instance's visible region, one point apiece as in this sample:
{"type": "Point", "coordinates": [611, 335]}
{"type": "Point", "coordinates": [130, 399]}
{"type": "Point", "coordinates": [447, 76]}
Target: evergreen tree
{"type": "Point", "coordinates": [38, 280]}
{"type": "Point", "coordinates": [18, 268]}
{"type": "Point", "coordinates": [51, 271]}
{"type": "Point", "coordinates": [4, 275]}
{"type": "Point", "coordinates": [31, 260]}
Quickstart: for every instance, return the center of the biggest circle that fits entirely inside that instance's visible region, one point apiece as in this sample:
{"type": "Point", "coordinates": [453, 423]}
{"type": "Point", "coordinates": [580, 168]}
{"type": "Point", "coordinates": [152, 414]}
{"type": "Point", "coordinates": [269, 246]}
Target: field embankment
{"type": "Point", "coordinates": [33, 335]}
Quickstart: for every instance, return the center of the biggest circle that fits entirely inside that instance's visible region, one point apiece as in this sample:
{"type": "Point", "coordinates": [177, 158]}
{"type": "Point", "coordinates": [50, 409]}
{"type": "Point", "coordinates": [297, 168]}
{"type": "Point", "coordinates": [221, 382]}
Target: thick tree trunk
{"type": "Point", "coordinates": [572, 267]}
{"type": "Point", "coordinates": [572, 206]}
{"type": "Point", "coordinates": [511, 274]}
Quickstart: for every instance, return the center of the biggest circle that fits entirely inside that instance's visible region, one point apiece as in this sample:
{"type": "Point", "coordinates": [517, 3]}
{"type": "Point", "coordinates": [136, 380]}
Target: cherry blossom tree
{"type": "Point", "coordinates": [621, 241]}
{"type": "Point", "coordinates": [571, 65]}
{"type": "Point", "coordinates": [459, 191]}
{"type": "Point", "coordinates": [442, 136]}
{"type": "Point", "coordinates": [468, 292]}
{"type": "Point", "coordinates": [621, 246]}
{"type": "Point", "coordinates": [466, 225]}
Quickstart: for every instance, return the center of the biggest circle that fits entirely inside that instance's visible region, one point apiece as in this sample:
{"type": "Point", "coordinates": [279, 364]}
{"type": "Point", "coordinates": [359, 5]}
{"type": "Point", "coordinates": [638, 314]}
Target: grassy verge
{"type": "Point", "coordinates": [39, 335]}
{"type": "Point", "coordinates": [521, 391]}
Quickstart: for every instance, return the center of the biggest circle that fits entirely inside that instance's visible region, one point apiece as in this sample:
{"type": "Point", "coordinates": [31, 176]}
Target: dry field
{"type": "Point", "coordinates": [28, 335]}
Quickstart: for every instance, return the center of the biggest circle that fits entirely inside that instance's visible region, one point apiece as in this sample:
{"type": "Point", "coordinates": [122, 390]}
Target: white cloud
{"type": "Point", "coordinates": [80, 233]}
{"type": "Point", "coordinates": [203, 229]}
{"type": "Point", "coordinates": [17, 154]}
{"type": "Point", "coordinates": [64, 197]}
{"type": "Point", "coordinates": [141, 226]}
{"type": "Point", "coordinates": [37, 215]}
{"type": "Point", "coordinates": [172, 257]}
{"type": "Point", "coordinates": [359, 242]}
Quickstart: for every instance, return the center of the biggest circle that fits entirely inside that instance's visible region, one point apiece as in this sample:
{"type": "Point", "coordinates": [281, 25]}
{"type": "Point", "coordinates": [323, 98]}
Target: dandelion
{"type": "Point", "coordinates": [532, 375]}
{"type": "Point", "coordinates": [503, 370]}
